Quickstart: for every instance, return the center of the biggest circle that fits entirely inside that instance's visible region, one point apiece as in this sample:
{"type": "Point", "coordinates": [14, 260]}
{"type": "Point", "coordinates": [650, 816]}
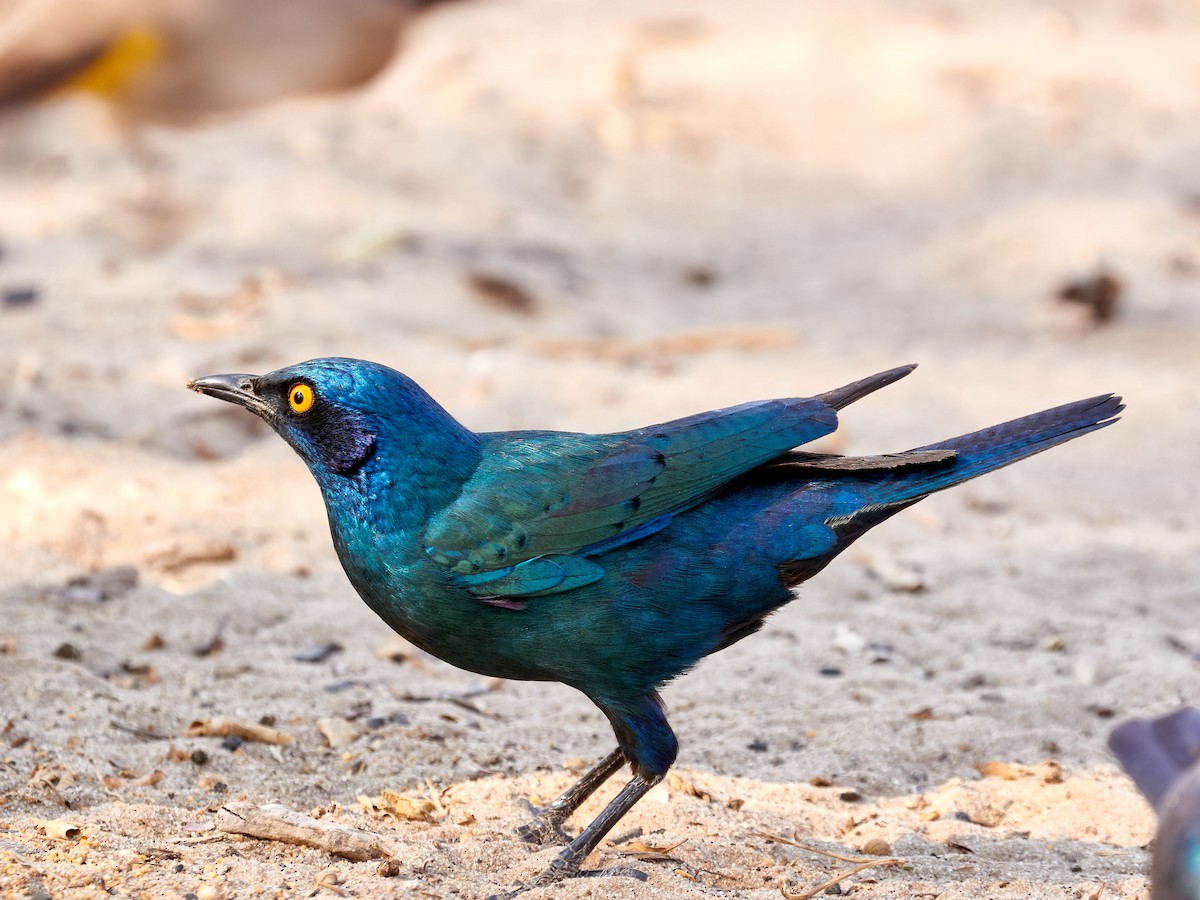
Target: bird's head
{"type": "Point", "coordinates": [333, 412]}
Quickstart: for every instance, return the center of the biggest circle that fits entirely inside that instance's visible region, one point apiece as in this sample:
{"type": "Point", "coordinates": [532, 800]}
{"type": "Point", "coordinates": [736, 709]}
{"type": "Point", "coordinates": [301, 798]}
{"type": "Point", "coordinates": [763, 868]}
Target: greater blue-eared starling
{"type": "Point", "coordinates": [609, 562]}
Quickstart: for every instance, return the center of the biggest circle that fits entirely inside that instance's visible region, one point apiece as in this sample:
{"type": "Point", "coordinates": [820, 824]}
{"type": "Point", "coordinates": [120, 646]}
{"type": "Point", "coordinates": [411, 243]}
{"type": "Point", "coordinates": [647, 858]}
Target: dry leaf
{"type": "Point", "coordinates": [502, 293]}
{"type": "Point", "coordinates": [338, 732]}
{"type": "Point", "coordinates": [677, 785]}
{"type": "Point", "coordinates": [647, 852]}
{"type": "Point", "coordinates": [173, 557]}
{"type": "Point", "coordinates": [1050, 772]}
{"type": "Point", "coordinates": [402, 806]}
{"type": "Point", "coordinates": [997, 769]}
{"type": "Point", "coordinates": [60, 830]}
{"type": "Point", "coordinates": [754, 339]}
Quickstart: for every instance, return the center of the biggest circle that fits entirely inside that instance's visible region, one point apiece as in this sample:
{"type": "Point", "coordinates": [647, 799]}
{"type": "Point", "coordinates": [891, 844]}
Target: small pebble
{"type": "Point", "coordinates": [318, 652]}
{"type": "Point", "coordinates": [387, 868]}
{"type": "Point", "coordinates": [877, 847]}
{"type": "Point", "coordinates": [21, 295]}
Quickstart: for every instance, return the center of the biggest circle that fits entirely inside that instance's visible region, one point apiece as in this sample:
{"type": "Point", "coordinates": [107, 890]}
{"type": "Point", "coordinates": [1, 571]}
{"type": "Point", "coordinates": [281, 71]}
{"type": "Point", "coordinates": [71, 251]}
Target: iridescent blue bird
{"type": "Point", "coordinates": [1162, 756]}
{"type": "Point", "coordinates": [609, 562]}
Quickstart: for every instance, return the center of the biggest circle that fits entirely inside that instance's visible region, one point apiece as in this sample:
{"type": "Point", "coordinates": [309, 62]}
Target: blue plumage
{"type": "Point", "coordinates": [611, 562]}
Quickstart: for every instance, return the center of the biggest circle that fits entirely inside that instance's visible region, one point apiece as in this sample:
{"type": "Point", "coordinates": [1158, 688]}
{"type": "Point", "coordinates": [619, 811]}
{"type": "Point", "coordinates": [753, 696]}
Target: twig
{"type": "Point", "coordinates": [866, 864]}
{"type": "Point", "coordinates": [780, 839]}
{"type": "Point", "coordinates": [140, 733]}
{"type": "Point", "coordinates": [462, 701]}
{"type": "Point", "coordinates": [275, 822]}
{"type": "Point", "coordinates": [862, 862]}
{"type": "Point", "coordinates": [229, 728]}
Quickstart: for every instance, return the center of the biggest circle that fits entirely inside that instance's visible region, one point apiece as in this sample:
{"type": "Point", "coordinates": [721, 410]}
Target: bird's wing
{"type": "Point", "coordinates": [542, 505]}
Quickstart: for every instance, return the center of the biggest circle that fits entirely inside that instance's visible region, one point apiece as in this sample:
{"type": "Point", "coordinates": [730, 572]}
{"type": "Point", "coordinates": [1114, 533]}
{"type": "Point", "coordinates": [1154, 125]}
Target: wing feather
{"type": "Point", "coordinates": [542, 506]}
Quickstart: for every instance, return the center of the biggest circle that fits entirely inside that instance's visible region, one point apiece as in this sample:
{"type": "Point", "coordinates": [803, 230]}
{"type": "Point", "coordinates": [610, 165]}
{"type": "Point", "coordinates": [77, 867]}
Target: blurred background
{"type": "Point", "coordinates": [596, 214]}
{"type": "Point", "coordinates": [591, 215]}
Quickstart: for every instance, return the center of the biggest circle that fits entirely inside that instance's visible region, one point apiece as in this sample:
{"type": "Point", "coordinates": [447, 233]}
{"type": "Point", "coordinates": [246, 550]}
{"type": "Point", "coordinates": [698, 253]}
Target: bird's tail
{"type": "Point", "coordinates": [867, 490]}
{"type": "Point", "coordinates": [992, 448]}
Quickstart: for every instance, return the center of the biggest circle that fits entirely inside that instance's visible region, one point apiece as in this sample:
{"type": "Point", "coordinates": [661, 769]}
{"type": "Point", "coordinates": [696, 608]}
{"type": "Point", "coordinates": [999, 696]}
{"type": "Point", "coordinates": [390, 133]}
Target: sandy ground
{"type": "Point", "coordinates": [692, 204]}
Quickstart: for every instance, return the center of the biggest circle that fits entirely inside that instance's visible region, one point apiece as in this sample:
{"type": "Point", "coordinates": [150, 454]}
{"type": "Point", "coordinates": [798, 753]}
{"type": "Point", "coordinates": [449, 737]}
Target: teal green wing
{"type": "Point", "coordinates": [542, 506]}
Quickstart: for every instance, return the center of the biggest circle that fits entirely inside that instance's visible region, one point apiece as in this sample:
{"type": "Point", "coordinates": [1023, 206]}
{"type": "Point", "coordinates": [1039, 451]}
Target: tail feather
{"type": "Point", "coordinates": [1001, 445]}
{"type": "Point", "coordinates": [842, 397]}
{"type": "Point", "coordinates": [868, 496]}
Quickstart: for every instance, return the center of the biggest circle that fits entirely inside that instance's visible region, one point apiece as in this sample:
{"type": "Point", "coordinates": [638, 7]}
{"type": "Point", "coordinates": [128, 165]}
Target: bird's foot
{"type": "Point", "coordinates": [543, 830]}
{"type": "Point", "coordinates": [546, 827]}
{"type": "Point", "coordinates": [560, 870]}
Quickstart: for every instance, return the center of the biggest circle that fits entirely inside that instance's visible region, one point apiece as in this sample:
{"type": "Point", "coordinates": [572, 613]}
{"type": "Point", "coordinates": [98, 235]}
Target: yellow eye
{"type": "Point", "coordinates": [301, 398]}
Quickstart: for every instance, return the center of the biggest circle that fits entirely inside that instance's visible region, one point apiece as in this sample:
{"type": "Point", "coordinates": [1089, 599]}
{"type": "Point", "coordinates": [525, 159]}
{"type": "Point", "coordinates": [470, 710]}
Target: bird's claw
{"type": "Point", "coordinates": [546, 827]}
{"type": "Point", "coordinates": [621, 871]}
{"type": "Point", "coordinates": [559, 870]}
{"type": "Point", "coordinates": [543, 830]}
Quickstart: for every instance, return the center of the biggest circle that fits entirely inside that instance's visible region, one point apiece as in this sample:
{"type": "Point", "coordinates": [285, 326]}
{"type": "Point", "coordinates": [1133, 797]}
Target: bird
{"type": "Point", "coordinates": [1162, 756]}
{"type": "Point", "coordinates": [611, 563]}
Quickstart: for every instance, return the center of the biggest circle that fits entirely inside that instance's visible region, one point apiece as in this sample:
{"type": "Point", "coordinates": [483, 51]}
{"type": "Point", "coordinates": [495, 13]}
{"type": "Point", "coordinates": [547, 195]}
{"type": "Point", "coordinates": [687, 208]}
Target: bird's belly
{"type": "Point", "coordinates": [444, 621]}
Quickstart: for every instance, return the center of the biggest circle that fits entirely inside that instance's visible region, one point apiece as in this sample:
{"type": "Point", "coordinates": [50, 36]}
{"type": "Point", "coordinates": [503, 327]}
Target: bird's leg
{"type": "Point", "coordinates": [567, 864]}
{"type": "Point", "coordinates": [547, 826]}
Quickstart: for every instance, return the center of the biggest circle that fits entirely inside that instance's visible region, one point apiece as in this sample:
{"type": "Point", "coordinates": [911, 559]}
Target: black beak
{"type": "Point", "coordinates": [239, 389]}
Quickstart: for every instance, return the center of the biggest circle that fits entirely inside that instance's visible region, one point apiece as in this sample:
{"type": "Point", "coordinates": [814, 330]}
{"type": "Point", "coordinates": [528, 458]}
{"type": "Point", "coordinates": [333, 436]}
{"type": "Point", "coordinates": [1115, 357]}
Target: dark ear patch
{"type": "Point", "coordinates": [343, 438]}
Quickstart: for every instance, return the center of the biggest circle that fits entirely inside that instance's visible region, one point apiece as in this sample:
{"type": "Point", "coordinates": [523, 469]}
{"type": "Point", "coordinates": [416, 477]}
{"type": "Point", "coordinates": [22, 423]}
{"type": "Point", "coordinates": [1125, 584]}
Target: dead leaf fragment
{"type": "Point", "coordinates": [1005, 771]}
{"type": "Point", "coordinates": [687, 344]}
{"type": "Point", "coordinates": [1050, 772]}
{"type": "Point", "coordinates": [173, 557]}
{"type": "Point", "coordinates": [1097, 293]}
{"type": "Point", "coordinates": [338, 732]}
{"type": "Point", "coordinates": [402, 806]}
{"type": "Point", "coordinates": [677, 785]}
{"type": "Point", "coordinates": [227, 728]}
{"type": "Point", "coordinates": [648, 852]}
{"type": "Point", "coordinates": [502, 293]}
{"type": "Point", "coordinates": [329, 880]}
{"type": "Point", "coordinates": [60, 830]}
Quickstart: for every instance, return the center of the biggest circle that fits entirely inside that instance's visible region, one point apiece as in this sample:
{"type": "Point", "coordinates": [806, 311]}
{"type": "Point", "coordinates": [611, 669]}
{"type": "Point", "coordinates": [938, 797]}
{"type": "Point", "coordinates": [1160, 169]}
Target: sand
{"type": "Point", "coordinates": [595, 215]}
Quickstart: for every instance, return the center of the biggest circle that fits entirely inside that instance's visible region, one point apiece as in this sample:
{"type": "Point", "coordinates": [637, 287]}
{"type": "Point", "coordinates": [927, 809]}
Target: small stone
{"type": "Point", "coordinates": [338, 732]}
{"type": "Point", "coordinates": [316, 653]}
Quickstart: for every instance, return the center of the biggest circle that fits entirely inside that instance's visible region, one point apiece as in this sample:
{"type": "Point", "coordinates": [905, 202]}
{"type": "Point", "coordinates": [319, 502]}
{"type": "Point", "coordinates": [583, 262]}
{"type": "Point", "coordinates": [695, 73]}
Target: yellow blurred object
{"type": "Point", "coordinates": [127, 57]}
{"type": "Point", "coordinates": [185, 60]}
